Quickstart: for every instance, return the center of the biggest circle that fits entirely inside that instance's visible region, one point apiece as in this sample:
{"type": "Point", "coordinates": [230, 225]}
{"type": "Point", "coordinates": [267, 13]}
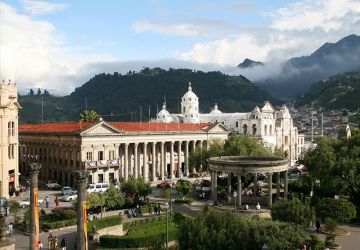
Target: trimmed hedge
{"type": "Point", "coordinates": [184, 201]}
{"type": "Point", "coordinates": [151, 233]}
{"type": "Point", "coordinates": [104, 222]}
{"type": "Point", "coordinates": [47, 225]}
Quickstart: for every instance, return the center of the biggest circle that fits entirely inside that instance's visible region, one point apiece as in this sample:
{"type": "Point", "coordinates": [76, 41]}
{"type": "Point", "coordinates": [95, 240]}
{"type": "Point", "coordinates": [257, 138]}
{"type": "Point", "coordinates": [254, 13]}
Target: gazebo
{"type": "Point", "coordinates": [239, 165]}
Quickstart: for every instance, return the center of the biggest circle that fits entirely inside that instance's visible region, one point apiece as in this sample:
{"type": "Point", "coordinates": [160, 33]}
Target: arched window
{"type": "Point", "coordinates": [265, 130]}
{"type": "Point", "coordinates": [270, 130]}
{"type": "Point", "coordinates": [254, 129]}
{"type": "Point", "coordinates": [244, 129]}
{"type": "Point", "coordinates": [9, 128]}
{"type": "Point", "coordinates": [237, 124]}
{"type": "Point", "coordinates": [13, 128]}
{"type": "Point", "coordinates": [184, 110]}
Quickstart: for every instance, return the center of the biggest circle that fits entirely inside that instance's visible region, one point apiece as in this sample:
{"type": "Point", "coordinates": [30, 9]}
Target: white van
{"type": "Point", "coordinates": [97, 187]}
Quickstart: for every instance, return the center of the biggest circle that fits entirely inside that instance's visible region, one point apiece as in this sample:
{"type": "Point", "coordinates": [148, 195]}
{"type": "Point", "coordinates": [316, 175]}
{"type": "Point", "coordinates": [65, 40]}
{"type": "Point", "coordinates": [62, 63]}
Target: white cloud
{"type": "Point", "coordinates": [35, 7]}
{"type": "Point", "coordinates": [193, 27]}
{"type": "Point", "coordinates": [33, 55]}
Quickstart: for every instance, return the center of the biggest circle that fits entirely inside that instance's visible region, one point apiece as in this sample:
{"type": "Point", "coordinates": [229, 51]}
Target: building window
{"type": "Point", "coordinates": [13, 128]}
{"type": "Point", "coordinates": [101, 155]}
{"type": "Point", "coordinates": [111, 154]}
{"type": "Point", "coordinates": [89, 156]}
{"type": "Point", "coordinates": [100, 178]}
{"type": "Point", "coordinates": [265, 130]}
{"type": "Point", "coordinates": [244, 129]}
{"type": "Point", "coordinates": [270, 130]}
{"type": "Point", "coordinates": [184, 110]}
{"type": "Point", "coordinates": [237, 124]}
{"type": "Point", "coordinates": [111, 177]}
{"type": "Point", "coordinates": [11, 151]}
{"type": "Point", "coordinates": [286, 140]}
{"type": "Point", "coordinates": [254, 129]}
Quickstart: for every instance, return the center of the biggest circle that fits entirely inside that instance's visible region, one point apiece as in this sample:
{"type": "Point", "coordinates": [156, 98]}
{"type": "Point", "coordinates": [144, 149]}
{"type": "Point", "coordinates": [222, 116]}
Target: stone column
{"type": "Point", "coordinates": [162, 161]}
{"type": "Point", "coordinates": [239, 190]}
{"type": "Point", "coordinates": [270, 190]}
{"type": "Point", "coordinates": [213, 186]}
{"type": "Point", "coordinates": [186, 155]}
{"type": "Point", "coordinates": [136, 158]}
{"type": "Point", "coordinates": [171, 160]}
{"type": "Point", "coordinates": [81, 234]}
{"type": "Point", "coordinates": [229, 186]}
{"type": "Point", "coordinates": [153, 173]}
{"type": "Point", "coordinates": [145, 163]}
{"type": "Point", "coordinates": [278, 185]}
{"type": "Point", "coordinates": [126, 162]}
{"type": "Point", "coordinates": [255, 184]}
{"type": "Point", "coordinates": [179, 159]}
{"type": "Point", "coordinates": [34, 211]}
{"type": "Point", "coordinates": [286, 190]}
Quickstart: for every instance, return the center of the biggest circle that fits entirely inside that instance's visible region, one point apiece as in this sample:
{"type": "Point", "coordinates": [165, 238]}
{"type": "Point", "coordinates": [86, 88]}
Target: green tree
{"type": "Point", "coordinates": [245, 145]}
{"type": "Point", "coordinates": [14, 209]}
{"type": "Point", "coordinates": [89, 116]}
{"type": "Point", "coordinates": [199, 156]}
{"type": "Point", "coordinates": [183, 187]}
{"type": "Point", "coordinates": [143, 188]}
{"type": "Point", "coordinates": [31, 92]}
{"type": "Point", "coordinates": [46, 93]}
{"type": "Point", "coordinates": [95, 200]}
{"type": "Point", "coordinates": [293, 211]}
{"type": "Point", "coordinates": [38, 92]}
{"type": "Point", "coordinates": [129, 187]}
{"type": "Point", "coordinates": [337, 209]}
{"type": "Point", "coordinates": [114, 198]}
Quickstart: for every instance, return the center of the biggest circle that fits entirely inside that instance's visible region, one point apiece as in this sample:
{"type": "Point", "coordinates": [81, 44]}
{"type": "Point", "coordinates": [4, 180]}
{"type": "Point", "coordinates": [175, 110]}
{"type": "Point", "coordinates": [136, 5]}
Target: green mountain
{"type": "Point", "coordinates": [126, 96]}
{"type": "Point", "coordinates": [339, 92]}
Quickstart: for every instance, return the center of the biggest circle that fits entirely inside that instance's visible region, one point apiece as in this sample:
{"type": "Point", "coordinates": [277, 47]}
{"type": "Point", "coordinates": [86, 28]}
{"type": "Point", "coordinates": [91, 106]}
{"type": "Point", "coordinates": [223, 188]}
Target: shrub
{"type": "Point", "coordinates": [63, 212]}
{"type": "Point", "coordinates": [104, 222]}
{"type": "Point", "coordinates": [46, 225]}
{"type": "Point", "coordinates": [184, 201]}
{"type": "Point", "coordinates": [315, 243]}
{"type": "Point", "coordinates": [338, 209]}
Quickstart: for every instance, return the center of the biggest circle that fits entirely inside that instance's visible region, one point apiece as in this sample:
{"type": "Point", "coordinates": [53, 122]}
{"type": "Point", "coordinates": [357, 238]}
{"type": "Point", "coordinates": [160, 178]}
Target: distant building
{"type": "Point", "coordinates": [115, 151]}
{"type": "Point", "coordinates": [9, 109]}
{"type": "Point", "coordinates": [274, 127]}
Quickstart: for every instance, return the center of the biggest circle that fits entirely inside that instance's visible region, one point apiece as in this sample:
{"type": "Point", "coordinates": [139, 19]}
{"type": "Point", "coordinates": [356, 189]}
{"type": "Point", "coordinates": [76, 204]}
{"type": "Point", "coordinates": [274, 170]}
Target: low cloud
{"type": "Point", "coordinates": [35, 7]}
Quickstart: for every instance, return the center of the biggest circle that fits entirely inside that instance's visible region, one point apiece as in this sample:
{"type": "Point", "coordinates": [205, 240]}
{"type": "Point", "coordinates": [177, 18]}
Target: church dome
{"type": "Point", "coordinates": [189, 95]}
{"type": "Point", "coordinates": [163, 113]}
{"type": "Point", "coordinates": [215, 110]}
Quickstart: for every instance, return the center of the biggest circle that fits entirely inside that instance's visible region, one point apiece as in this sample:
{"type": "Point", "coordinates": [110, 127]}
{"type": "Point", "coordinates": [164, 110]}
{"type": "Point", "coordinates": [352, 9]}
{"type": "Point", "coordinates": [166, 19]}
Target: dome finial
{"type": "Point", "coordinates": [216, 106]}
{"type": "Point", "coordinates": [190, 89]}
{"type": "Point", "coordinates": [164, 106]}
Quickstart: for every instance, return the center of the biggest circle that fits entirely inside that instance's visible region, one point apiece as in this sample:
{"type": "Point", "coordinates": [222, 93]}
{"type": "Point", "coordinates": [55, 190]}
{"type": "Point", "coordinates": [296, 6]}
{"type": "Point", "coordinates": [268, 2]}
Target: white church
{"type": "Point", "coordinates": [274, 127]}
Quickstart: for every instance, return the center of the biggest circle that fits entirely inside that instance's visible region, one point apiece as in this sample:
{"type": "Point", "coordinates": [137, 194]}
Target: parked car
{"type": "Point", "coordinates": [25, 203]}
{"type": "Point", "coordinates": [65, 190]}
{"type": "Point", "coordinates": [69, 196]}
{"type": "Point", "coordinates": [166, 184]}
{"type": "Point", "coordinates": [53, 185]}
{"type": "Point", "coordinates": [97, 187]}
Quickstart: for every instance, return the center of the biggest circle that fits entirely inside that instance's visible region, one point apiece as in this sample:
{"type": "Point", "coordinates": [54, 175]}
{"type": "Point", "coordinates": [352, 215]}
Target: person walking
{"type": "Point", "coordinates": [57, 201]}
{"type": "Point", "coordinates": [63, 244]}
{"type": "Point", "coordinates": [47, 201]}
{"type": "Point", "coordinates": [40, 245]}
{"type": "Point", "coordinates": [11, 229]}
{"type": "Point", "coordinates": [50, 238]}
{"type": "Point", "coordinates": [317, 224]}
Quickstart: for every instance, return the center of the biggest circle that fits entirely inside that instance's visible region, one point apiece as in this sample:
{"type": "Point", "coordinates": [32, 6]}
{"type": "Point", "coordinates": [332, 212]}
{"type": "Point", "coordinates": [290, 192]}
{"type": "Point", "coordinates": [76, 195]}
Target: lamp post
{"type": "Point", "coordinates": [167, 224]}
{"type": "Point", "coordinates": [235, 194]}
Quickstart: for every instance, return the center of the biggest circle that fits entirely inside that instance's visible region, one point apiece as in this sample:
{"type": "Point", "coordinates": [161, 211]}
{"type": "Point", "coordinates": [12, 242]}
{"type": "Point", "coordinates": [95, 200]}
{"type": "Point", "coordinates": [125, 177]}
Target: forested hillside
{"type": "Point", "coordinates": [340, 91]}
{"type": "Point", "coordinates": [125, 95]}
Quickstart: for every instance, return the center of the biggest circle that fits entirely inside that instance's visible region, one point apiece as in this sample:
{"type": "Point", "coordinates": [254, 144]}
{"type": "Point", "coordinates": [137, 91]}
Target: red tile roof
{"type": "Point", "coordinates": [158, 127]}
{"type": "Point", "coordinates": [77, 127]}
{"type": "Point", "coordinates": [64, 127]}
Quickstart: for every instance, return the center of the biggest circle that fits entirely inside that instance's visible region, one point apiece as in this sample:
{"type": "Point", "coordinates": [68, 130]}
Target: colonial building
{"type": "Point", "coordinates": [114, 151]}
{"type": "Point", "coordinates": [9, 109]}
{"type": "Point", "coordinates": [274, 127]}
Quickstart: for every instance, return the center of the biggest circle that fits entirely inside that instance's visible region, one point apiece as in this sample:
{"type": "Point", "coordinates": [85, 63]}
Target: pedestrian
{"type": "Point", "coordinates": [40, 245]}
{"type": "Point", "coordinates": [57, 201]}
{"type": "Point", "coordinates": [50, 238]}
{"type": "Point", "coordinates": [159, 209]}
{"type": "Point", "coordinates": [47, 201]}
{"type": "Point", "coordinates": [317, 224]}
{"type": "Point", "coordinates": [155, 210]}
{"type": "Point", "coordinates": [63, 244]}
{"type": "Point", "coordinates": [11, 229]}
{"type": "Point", "coordinates": [55, 240]}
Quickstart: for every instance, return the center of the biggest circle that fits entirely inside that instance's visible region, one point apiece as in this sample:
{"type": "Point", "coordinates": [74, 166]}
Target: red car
{"type": "Point", "coordinates": [166, 184]}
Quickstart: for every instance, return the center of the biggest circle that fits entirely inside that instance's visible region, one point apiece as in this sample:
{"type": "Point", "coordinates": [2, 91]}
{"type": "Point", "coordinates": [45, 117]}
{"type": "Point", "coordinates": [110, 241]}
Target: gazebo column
{"type": "Point", "coordinates": [179, 159]}
{"type": "Point", "coordinates": [255, 184]}
{"type": "Point", "coordinates": [278, 184]}
{"type": "Point", "coordinates": [286, 185]}
{"type": "Point", "coordinates": [214, 186]}
{"type": "Point", "coordinates": [229, 185]}
{"type": "Point", "coordinates": [270, 190]}
{"type": "Point", "coordinates": [136, 158]}
{"type": "Point", "coordinates": [239, 190]}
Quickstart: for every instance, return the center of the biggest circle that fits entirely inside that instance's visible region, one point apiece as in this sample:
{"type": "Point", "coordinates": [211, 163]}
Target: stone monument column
{"type": "Point", "coordinates": [239, 190]}
{"type": "Point", "coordinates": [136, 159]}
{"type": "Point", "coordinates": [81, 234]}
{"type": "Point", "coordinates": [162, 160]}
{"type": "Point", "coordinates": [34, 211]}
{"type": "Point", "coordinates": [186, 154]}
{"type": "Point", "coordinates": [270, 190]}
{"type": "Point", "coordinates": [171, 160]}
{"type": "Point", "coordinates": [179, 159]}
{"type": "Point", "coordinates": [278, 184]}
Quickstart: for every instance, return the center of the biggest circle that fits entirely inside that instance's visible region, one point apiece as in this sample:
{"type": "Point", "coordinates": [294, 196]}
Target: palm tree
{"type": "Point", "coordinates": [89, 116]}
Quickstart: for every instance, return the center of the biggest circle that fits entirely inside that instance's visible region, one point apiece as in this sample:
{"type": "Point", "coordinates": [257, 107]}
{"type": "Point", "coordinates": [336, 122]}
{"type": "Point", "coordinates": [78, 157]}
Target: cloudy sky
{"type": "Point", "coordinates": [61, 44]}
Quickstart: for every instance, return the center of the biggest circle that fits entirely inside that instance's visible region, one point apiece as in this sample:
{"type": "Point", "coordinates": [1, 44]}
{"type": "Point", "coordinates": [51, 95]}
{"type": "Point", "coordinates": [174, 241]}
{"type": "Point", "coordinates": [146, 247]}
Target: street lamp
{"type": "Point", "coordinates": [235, 194]}
{"type": "Point", "coordinates": [167, 224]}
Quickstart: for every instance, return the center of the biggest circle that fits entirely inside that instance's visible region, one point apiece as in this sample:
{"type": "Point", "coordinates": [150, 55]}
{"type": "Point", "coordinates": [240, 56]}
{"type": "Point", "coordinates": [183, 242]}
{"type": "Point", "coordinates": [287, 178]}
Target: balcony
{"type": "Point", "coordinates": [101, 164]}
